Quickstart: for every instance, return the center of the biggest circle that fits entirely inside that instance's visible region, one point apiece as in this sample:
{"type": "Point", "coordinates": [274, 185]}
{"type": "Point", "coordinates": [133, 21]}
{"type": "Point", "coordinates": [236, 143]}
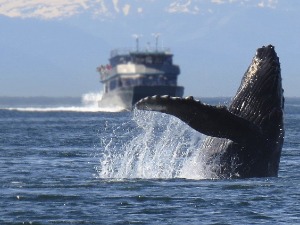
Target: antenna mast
{"type": "Point", "coordinates": [156, 35]}
{"type": "Point", "coordinates": [137, 37]}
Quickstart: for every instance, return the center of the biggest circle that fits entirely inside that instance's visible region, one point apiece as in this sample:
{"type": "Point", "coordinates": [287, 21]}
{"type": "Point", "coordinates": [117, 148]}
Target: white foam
{"type": "Point", "coordinates": [89, 104]}
{"type": "Point", "coordinates": [63, 109]}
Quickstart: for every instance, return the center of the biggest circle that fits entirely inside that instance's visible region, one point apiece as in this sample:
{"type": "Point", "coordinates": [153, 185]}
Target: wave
{"type": "Point", "coordinates": [88, 103]}
{"type": "Point", "coordinates": [65, 109]}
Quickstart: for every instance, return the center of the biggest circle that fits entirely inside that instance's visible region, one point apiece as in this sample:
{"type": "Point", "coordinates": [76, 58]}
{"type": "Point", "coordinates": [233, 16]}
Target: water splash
{"type": "Point", "coordinates": [159, 146]}
{"type": "Point", "coordinates": [91, 99]}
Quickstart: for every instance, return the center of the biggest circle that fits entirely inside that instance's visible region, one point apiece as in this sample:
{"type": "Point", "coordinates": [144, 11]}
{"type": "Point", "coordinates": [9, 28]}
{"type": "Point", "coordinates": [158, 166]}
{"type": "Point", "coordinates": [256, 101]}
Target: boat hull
{"type": "Point", "coordinates": [126, 97]}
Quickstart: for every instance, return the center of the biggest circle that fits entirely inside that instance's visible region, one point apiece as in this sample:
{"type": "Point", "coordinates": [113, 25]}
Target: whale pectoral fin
{"type": "Point", "coordinates": [214, 121]}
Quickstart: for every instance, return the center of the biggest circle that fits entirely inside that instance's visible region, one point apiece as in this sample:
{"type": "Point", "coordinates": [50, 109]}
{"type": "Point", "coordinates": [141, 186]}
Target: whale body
{"type": "Point", "coordinates": [244, 139]}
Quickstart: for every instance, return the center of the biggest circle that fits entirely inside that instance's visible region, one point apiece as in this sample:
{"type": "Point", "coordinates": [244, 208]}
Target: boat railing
{"type": "Point", "coordinates": [126, 51]}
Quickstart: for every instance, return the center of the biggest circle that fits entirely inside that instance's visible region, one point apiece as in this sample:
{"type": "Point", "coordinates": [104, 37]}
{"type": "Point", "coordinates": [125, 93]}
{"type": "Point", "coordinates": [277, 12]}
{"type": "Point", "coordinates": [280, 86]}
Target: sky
{"type": "Point", "coordinates": [52, 47]}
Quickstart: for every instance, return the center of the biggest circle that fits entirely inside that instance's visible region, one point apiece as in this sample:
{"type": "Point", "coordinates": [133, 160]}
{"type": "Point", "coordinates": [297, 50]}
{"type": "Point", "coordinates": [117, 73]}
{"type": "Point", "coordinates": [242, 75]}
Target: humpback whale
{"type": "Point", "coordinates": [244, 139]}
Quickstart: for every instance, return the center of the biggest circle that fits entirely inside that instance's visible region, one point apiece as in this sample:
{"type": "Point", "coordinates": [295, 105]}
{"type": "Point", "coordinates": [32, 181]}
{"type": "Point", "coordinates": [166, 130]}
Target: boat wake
{"type": "Point", "coordinates": [159, 146]}
{"type": "Point", "coordinates": [88, 103]}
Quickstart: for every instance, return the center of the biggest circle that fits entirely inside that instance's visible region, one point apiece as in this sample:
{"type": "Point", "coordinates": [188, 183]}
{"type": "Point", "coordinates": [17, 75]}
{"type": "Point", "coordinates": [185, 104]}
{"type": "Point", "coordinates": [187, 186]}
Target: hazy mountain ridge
{"type": "Point", "coordinates": [213, 46]}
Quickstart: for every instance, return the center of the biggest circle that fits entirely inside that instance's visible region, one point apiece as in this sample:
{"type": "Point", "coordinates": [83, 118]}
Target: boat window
{"type": "Point", "coordinates": [112, 85]}
{"type": "Point", "coordinates": [150, 80]}
{"type": "Point", "coordinates": [158, 59]}
{"type": "Point", "coordinates": [149, 60]}
{"type": "Point", "coordinates": [139, 60]}
{"type": "Point", "coordinates": [168, 60]}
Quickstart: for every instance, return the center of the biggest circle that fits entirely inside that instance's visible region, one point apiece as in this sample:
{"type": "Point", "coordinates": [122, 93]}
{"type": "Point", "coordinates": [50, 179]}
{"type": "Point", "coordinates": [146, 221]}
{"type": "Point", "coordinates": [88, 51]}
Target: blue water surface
{"type": "Point", "coordinates": [55, 168]}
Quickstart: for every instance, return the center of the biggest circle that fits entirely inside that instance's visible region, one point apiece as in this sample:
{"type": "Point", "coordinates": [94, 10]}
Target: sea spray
{"type": "Point", "coordinates": [158, 146]}
{"type": "Point", "coordinates": [91, 98]}
{"type": "Point", "coordinates": [91, 101]}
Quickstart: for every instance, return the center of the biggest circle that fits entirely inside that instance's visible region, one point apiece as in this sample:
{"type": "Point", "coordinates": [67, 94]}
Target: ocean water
{"type": "Point", "coordinates": [65, 161]}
